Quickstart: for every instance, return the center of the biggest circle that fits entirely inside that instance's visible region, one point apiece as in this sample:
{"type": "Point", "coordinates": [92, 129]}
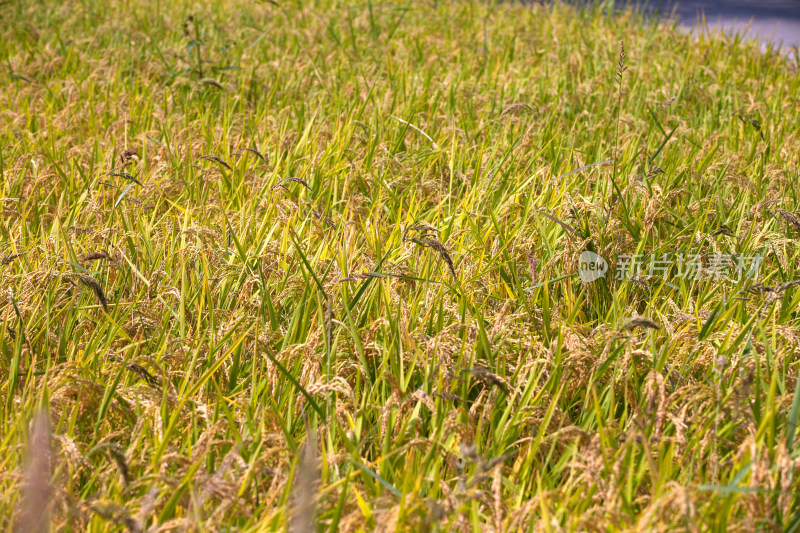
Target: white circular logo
{"type": "Point", "coordinates": [591, 266]}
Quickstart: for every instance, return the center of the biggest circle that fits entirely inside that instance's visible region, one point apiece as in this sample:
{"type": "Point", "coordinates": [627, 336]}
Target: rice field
{"type": "Point", "coordinates": [422, 266]}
